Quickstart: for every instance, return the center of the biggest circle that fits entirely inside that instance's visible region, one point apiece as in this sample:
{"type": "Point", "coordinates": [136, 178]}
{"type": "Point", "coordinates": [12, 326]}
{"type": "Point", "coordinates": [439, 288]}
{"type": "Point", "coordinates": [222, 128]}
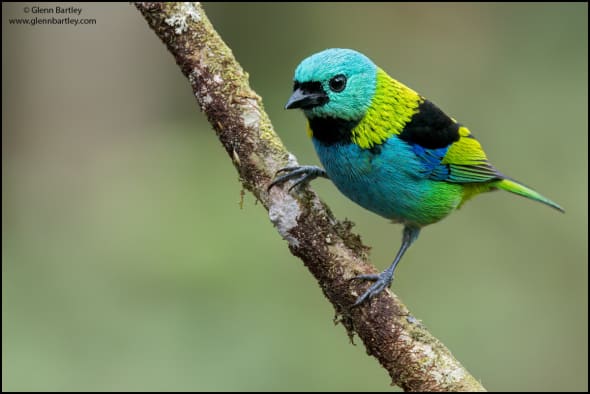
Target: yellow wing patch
{"type": "Point", "coordinates": [466, 151]}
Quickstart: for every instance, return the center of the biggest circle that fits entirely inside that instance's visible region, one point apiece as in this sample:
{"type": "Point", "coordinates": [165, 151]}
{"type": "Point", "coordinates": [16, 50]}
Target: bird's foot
{"type": "Point", "coordinates": [382, 281]}
{"type": "Point", "coordinates": [302, 174]}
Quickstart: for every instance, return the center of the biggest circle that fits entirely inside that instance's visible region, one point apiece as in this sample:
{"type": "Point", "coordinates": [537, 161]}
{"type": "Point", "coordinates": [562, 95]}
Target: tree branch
{"type": "Point", "coordinates": [415, 360]}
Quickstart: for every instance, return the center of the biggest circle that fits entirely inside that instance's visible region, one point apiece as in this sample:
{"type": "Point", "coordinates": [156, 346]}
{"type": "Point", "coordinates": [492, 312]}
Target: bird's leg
{"type": "Point", "coordinates": [384, 279]}
{"type": "Point", "coordinates": [303, 174]}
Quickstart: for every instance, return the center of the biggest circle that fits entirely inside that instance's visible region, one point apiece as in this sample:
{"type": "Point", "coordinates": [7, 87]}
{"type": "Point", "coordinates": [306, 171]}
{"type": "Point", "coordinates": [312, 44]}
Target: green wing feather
{"type": "Point", "coordinates": [467, 162]}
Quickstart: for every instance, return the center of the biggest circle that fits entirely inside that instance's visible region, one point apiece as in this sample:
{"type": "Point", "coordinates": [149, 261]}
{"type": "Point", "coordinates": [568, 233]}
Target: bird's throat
{"type": "Point", "coordinates": [330, 131]}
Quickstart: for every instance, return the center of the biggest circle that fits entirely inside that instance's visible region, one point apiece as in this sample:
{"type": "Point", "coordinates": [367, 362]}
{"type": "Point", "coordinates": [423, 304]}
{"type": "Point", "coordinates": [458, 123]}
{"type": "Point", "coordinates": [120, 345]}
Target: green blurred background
{"type": "Point", "coordinates": [129, 265]}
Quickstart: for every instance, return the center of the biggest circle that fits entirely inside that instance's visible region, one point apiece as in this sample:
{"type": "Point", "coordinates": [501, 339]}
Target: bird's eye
{"type": "Point", "coordinates": [338, 83]}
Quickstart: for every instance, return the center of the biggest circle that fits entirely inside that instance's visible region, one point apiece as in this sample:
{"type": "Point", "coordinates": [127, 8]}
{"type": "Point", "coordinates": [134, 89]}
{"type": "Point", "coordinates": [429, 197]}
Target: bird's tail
{"type": "Point", "coordinates": [512, 186]}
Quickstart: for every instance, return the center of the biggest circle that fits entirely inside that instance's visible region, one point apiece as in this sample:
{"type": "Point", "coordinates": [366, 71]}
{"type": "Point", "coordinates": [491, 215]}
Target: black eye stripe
{"type": "Point", "coordinates": [308, 87]}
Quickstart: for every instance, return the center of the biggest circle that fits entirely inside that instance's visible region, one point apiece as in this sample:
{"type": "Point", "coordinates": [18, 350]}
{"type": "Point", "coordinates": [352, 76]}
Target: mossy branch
{"type": "Point", "coordinates": [415, 360]}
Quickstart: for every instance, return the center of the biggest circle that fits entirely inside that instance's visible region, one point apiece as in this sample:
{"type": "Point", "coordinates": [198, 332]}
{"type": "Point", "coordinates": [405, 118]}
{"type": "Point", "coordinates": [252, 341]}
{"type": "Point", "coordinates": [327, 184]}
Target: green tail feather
{"type": "Point", "coordinates": [514, 187]}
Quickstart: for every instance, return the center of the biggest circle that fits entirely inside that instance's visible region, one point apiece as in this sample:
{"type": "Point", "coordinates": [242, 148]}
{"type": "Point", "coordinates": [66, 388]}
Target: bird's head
{"type": "Point", "coordinates": [335, 83]}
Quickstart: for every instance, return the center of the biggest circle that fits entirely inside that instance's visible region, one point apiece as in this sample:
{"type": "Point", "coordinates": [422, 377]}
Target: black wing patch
{"type": "Point", "coordinates": [430, 128]}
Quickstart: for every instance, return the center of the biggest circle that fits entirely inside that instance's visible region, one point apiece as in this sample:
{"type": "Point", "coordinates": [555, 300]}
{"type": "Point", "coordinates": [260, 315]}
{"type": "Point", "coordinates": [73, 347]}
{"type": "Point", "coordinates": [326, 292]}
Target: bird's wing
{"type": "Point", "coordinates": [463, 161]}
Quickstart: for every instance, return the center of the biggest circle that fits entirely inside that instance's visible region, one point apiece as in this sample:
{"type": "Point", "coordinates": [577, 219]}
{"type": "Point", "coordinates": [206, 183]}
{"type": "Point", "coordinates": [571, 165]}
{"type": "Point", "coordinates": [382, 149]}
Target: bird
{"type": "Point", "coordinates": [388, 149]}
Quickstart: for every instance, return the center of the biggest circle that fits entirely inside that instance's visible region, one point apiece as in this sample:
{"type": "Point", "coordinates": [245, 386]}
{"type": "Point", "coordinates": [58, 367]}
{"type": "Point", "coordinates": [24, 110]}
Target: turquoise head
{"type": "Point", "coordinates": [334, 83]}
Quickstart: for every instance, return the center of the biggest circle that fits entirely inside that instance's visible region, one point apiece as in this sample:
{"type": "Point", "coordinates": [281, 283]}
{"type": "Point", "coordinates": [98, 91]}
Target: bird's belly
{"type": "Point", "coordinates": [386, 180]}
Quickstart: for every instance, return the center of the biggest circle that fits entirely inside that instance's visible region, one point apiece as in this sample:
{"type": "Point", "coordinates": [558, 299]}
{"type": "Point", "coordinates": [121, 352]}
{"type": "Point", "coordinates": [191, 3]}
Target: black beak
{"type": "Point", "coordinates": [306, 100]}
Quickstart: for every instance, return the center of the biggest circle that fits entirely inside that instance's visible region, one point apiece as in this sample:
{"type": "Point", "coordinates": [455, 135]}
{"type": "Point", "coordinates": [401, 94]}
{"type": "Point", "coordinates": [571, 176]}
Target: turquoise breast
{"type": "Point", "coordinates": [387, 180]}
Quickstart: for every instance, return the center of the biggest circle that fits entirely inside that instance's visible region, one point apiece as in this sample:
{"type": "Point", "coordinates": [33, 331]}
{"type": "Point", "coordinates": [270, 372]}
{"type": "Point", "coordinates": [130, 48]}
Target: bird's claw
{"type": "Point", "coordinates": [304, 173]}
{"type": "Point", "coordinates": [382, 282]}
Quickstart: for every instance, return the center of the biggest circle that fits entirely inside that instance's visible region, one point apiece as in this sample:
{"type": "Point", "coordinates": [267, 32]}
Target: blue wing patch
{"type": "Point", "coordinates": [432, 167]}
{"type": "Point", "coordinates": [431, 161]}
